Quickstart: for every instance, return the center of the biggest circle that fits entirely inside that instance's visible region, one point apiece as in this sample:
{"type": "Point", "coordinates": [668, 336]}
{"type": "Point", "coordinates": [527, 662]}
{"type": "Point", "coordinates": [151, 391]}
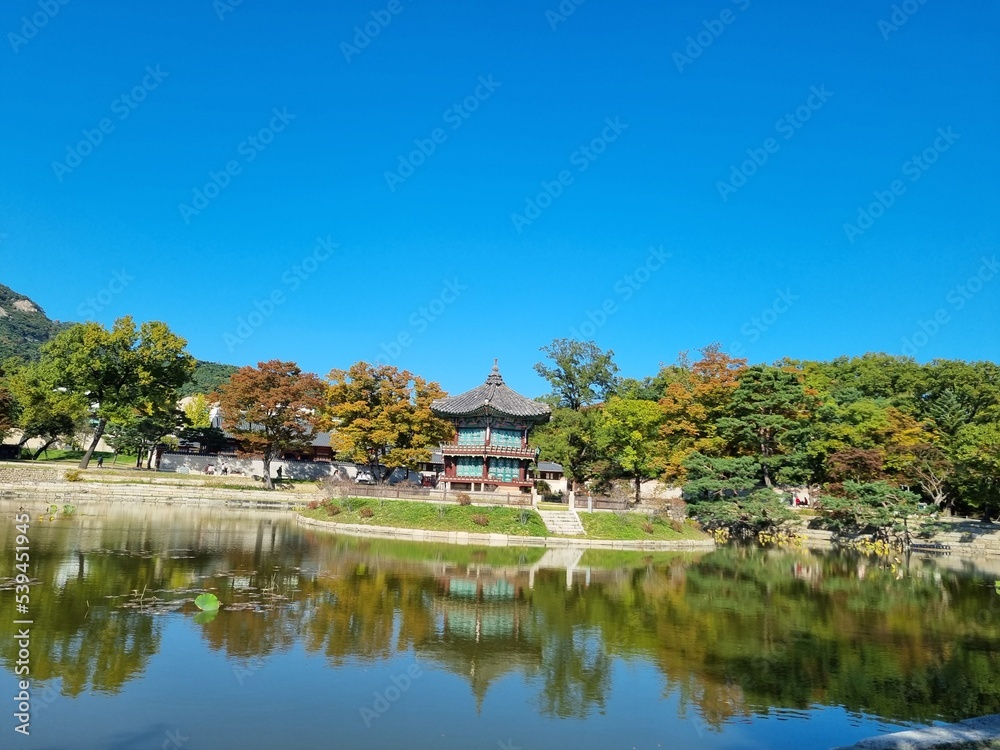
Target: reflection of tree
{"type": "Point", "coordinates": [734, 633]}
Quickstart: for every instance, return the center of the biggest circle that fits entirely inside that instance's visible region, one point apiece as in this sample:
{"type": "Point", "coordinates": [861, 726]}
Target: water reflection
{"type": "Point", "coordinates": [733, 633]}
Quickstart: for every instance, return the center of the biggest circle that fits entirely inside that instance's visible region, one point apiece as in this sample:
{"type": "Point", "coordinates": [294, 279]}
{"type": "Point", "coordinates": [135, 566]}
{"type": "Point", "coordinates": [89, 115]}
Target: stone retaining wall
{"type": "Point", "coordinates": [60, 493]}
{"type": "Point", "coordinates": [14, 474]}
{"type": "Point", "coordinates": [965, 538]}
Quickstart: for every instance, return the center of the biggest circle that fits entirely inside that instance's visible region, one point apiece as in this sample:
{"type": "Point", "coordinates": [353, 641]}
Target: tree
{"type": "Point", "coordinates": [144, 429]}
{"type": "Point", "coordinates": [627, 431]}
{"type": "Point", "coordinates": [583, 374]}
{"type": "Point", "coordinates": [568, 438]}
{"type": "Point", "coordinates": [977, 459]}
{"type": "Point", "coordinates": [44, 410]}
{"type": "Point", "coordinates": [380, 415]}
{"type": "Point", "coordinates": [878, 508]}
{"type": "Point", "coordinates": [118, 370]}
{"type": "Point", "coordinates": [198, 411]}
{"type": "Point", "coordinates": [726, 493]}
{"type": "Point", "coordinates": [271, 408]}
{"type": "Point", "coordinates": [769, 417]}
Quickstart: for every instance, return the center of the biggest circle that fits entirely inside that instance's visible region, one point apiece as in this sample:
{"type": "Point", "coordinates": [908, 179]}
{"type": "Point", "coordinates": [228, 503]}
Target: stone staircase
{"type": "Point", "coordinates": [562, 522]}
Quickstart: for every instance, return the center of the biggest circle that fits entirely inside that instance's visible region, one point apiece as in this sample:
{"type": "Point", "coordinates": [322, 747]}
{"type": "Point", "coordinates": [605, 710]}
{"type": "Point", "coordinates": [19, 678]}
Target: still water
{"type": "Point", "coordinates": [336, 642]}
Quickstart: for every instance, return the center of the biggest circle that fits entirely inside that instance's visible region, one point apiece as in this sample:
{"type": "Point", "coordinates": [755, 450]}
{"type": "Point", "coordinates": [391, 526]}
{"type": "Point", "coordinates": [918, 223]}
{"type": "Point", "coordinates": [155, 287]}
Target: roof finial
{"type": "Point", "coordinates": [496, 367]}
{"type": "Point", "coordinates": [495, 377]}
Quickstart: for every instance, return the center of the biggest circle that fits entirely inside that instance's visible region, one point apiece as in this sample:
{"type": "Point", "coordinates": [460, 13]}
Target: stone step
{"type": "Point", "coordinates": [562, 522]}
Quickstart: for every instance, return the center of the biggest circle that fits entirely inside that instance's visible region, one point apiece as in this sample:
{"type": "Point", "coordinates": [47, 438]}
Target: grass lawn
{"type": "Point", "coordinates": [630, 526]}
{"type": "Point", "coordinates": [63, 456]}
{"type": "Point", "coordinates": [433, 516]}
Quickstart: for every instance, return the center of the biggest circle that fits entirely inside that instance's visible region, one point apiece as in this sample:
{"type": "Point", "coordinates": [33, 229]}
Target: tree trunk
{"type": "Point", "coordinates": [638, 487]}
{"type": "Point", "coordinates": [98, 434]}
{"type": "Point", "coordinates": [44, 448]}
{"type": "Point", "coordinates": [268, 482]}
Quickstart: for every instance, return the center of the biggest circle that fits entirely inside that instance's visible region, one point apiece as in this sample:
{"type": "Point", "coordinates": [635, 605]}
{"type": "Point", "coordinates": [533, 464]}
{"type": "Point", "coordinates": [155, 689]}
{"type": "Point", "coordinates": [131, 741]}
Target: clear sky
{"type": "Point", "coordinates": [439, 184]}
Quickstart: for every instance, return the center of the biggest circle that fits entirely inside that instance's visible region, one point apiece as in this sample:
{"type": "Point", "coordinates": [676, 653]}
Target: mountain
{"type": "Point", "coordinates": [24, 326]}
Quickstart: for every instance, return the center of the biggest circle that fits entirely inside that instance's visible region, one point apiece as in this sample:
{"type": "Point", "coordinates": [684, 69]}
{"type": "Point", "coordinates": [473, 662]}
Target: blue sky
{"type": "Point", "coordinates": [472, 182]}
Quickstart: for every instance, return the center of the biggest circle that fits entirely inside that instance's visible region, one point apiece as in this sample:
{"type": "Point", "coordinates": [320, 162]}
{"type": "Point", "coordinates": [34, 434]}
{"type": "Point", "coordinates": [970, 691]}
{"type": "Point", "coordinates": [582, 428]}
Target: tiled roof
{"type": "Point", "coordinates": [494, 398]}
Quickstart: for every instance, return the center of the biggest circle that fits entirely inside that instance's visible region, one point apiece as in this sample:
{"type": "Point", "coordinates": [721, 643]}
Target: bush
{"type": "Point", "coordinates": [464, 499]}
{"type": "Point", "coordinates": [313, 504]}
{"type": "Point", "coordinates": [333, 509]}
{"type": "Point", "coordinates": [676, 525]}
{"type": "Point", "coordinates": [647, 527]}
{"type": "Point", "coordinates": [480, 520]}
{"type": "Point", "coordinates": [73, 475]}
{"type": "Point", "coordinates": [366, 513]}
{"type": "Point", "coordinates": [543, 487]}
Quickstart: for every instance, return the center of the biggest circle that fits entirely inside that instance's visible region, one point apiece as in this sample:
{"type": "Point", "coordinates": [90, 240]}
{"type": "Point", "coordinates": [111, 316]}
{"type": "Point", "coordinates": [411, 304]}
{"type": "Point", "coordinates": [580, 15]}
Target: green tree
{"type": "Point", "coordinates": [271, 408]}
{"type": "Point", "coordinates": [582, 374]}
{"type": "Point", "coordinates": [889, 513]}
{"type": "Point", "coordinates": [627, 432]}
{"type": "Point", "coordinates": [118, 370]}
{"type": "Point", "coordinates": [977, 458]}
{"type": "Point", "coordinates": [44, 410]}
{"type": "Point", "coordinates": [569, 439]}
{"type": "Point", "coordinates": [380, 415]}
{"type": "Point", "coordinates": [769, 417]}
{"type": "Point", "coordinates": [726, 493]}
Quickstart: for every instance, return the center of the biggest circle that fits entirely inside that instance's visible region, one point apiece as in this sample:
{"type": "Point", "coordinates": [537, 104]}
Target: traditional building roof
{"type": "Point", "coordinates": [492, 398]}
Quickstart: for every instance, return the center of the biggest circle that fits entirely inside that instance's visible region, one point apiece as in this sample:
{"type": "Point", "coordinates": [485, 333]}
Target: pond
{"type": "Point", "coordinates": [329, 641]}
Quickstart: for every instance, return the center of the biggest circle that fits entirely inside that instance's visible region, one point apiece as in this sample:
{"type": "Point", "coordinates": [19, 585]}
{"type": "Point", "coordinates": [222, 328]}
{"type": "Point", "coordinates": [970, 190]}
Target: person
{"type": "Point", "coordinates": [100, 462]}
{"type": "Point", "coordinates": [225, 468]}
{"type": "Point", "coordinates": [279, 473]}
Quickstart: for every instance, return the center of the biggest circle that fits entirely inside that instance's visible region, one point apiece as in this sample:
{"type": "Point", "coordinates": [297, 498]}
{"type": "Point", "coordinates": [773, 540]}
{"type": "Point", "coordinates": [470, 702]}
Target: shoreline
{"type": "Point", "coordinates": [964, 538]}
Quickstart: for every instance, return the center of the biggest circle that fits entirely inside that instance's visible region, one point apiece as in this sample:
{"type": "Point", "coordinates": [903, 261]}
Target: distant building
{"type": "Point", "coordinates": [490, 449]}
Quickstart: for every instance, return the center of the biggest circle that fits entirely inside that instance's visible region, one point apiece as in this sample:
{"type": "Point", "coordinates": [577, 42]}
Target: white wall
{"type": "Point", "coordinates": [195, 464]}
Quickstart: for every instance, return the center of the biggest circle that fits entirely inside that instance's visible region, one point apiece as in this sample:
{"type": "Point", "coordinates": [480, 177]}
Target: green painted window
{"type": "Point", "coordinates": [506, 438]}
{"type": "Point", "coordinates": [505, 469]}
{"type": "Point", "coordinates": [471, 435]}
{"type": "Point", "coordinates": [469, 466]}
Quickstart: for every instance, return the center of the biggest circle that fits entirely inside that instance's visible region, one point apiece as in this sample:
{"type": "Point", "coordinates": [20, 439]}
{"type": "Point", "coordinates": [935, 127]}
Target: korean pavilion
{"type": "Point", "coordinates": [490, 450]}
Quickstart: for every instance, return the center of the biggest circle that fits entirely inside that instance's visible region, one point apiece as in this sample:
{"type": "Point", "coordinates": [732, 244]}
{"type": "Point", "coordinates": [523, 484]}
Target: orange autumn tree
{"type": "Point", "coordinates": [381, 415]}
{"type": "Point", "coordinates": [695, 395]}
{"type": "Point", "coordinates": [270, 409]}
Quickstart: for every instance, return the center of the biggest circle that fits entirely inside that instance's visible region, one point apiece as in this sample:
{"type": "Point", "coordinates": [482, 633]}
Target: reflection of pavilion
{"type": "Point", "coordinates": [484, 625]}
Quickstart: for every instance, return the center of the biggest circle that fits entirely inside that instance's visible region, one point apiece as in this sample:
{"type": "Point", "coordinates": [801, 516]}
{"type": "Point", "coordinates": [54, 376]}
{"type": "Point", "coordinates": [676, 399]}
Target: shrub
{"type": "Point", "coordinates": [647, 527]}
{"type": "Point", "coordinates": [676, 525]}
{"type": "Point", "coordinates": [313, 504]}
{"type": "Point", "coordinates": [442, 510]}
{"type": "Point", "coordinates": [73, 475]}
{"type": "Point", "coordinates": [543, 487]}
{"type": "Point", "coordinates": [480, 520]}
{"type": "Point", "coordinates": [464, 499]}
{"type": "Point", "coordinates": [366, 513]}
{"type": "Point", "coordinates": [333, 509]}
